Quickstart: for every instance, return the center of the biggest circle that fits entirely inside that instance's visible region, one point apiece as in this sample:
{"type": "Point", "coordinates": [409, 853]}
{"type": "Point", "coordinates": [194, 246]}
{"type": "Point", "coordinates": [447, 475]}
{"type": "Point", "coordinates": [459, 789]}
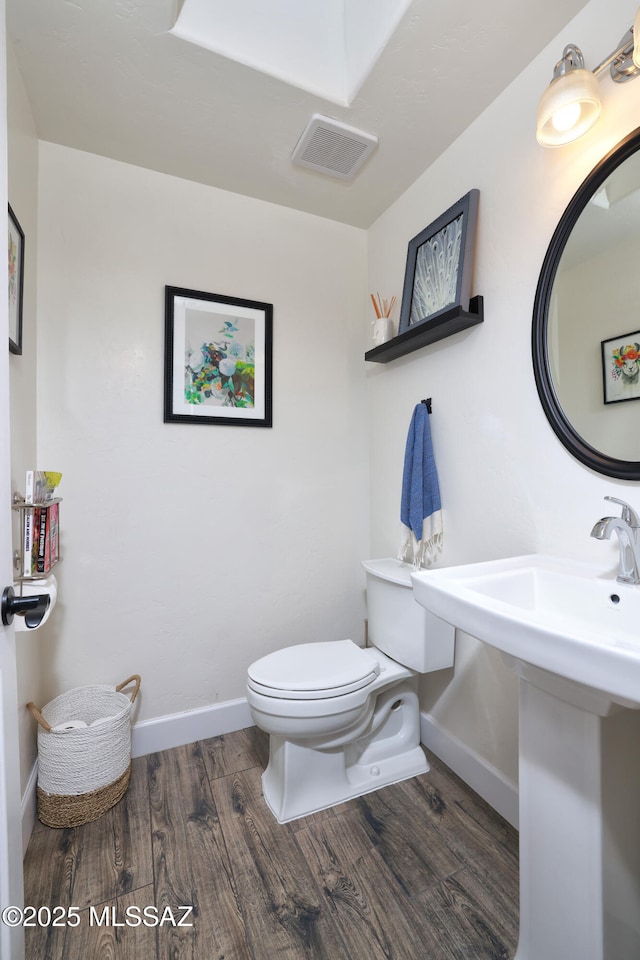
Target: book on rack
{"type": "Point", "coordinates": [30, 543]}
{"type": "Point", "coordinates": [44, 484]}
{"type": "Point", "coordinates": [29, 486]}
{"type": "Point", "coordinates": [47, 520]}
{"type": "Point", "coordinates": [44, 553]}
{"type": "Point", "coordinates": [54, 527]}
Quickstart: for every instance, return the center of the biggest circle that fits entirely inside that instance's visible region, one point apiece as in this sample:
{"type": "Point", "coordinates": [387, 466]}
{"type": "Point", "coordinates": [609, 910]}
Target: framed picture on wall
{"type": "Point", "coordinates": [16, 282]}
{"type": "Point", "coordinates": [621, 367]}
{"type": "Point", "coordinates": [218, 359]}
{"type": "Point", "coordinates": [440, 265]}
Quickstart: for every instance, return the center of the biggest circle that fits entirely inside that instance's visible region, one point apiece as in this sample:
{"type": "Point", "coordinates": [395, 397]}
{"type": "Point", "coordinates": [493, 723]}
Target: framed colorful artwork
{"type": "Point", "coordinates": [440, 265]}
{"type": "Point", "coordinates": [621, 367]}
{"type": "Point", "coordinates": [218, 359]}
{"type": "Point", "coordinates": [16, 282]}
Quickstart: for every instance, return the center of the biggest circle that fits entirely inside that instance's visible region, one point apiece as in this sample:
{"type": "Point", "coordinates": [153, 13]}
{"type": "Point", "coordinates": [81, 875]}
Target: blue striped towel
{"type": "Point", "coordinates": [420, 510]}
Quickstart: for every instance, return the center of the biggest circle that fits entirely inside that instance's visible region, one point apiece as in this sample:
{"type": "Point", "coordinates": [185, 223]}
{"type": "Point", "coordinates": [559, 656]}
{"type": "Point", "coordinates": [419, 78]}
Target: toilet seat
{"type": "Point", "coordinates": [313, 671]}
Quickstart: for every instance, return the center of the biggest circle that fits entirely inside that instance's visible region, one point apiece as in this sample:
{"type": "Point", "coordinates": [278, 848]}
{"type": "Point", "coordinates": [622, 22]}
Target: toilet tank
{"type": "Point", "coordinates": [401, 627]}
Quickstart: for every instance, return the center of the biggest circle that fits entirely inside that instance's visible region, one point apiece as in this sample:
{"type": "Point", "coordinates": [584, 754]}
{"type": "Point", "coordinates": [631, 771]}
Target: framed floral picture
{"type": "Point", "coordinates": [218, 359]}
{"type": "Point", "coordinates": [621, 367]}
{"type": "Point", "coordinates": [16, 282]}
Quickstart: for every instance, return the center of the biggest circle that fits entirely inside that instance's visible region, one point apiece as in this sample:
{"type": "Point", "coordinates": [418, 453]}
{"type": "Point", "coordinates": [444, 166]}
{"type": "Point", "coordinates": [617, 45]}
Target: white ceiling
{"type": "Point", "coordinates": [107, 76]}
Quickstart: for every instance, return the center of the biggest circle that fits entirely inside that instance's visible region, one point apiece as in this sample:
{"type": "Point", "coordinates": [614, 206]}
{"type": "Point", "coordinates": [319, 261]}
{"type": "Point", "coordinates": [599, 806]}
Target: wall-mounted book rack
{"type": "Point", "coordinates": [39, 545]}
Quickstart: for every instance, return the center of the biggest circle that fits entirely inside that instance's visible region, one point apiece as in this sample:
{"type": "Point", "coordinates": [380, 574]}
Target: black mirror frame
{"type": "Point", "coordinates": [574, 443]}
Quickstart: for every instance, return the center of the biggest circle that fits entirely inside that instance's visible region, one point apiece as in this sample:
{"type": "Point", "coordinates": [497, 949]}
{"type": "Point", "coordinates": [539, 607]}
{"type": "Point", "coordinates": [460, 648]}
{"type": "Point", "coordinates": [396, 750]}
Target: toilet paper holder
{"type": "Point", "coordinates": [33, 608]}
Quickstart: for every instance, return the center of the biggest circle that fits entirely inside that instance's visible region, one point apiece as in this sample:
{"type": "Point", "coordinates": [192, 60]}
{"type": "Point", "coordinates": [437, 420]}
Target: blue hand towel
{"type": "Point", "coordinates": [420, 510]}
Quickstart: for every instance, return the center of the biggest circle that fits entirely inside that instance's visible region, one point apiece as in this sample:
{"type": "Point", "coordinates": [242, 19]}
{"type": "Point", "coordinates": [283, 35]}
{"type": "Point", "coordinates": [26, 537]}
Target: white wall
{"type": "Point", "coordinates": [189, 551]}
{"type": "Point", "coordinates": [507, 484]}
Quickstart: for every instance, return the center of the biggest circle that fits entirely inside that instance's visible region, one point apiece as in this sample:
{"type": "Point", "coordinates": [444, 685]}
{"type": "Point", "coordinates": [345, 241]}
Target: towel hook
{"type": "Point", "coordinates": [427, 404]}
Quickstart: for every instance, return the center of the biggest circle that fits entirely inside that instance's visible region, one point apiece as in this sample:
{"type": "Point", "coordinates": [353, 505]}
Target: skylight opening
{"type": "Point", "coordinates": [326, 47]}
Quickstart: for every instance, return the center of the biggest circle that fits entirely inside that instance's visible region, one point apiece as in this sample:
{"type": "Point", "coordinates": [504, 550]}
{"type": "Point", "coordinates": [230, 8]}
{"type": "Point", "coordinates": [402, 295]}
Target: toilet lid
{"type": "Point", "coordinates": [311, 671]}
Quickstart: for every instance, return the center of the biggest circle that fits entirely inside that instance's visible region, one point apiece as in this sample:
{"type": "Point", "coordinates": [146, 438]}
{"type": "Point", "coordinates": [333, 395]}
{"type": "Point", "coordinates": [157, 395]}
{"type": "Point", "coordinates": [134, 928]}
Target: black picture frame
{"type": "Point", "coordinates": [218, 359]}
{"type": "Point", "coordinates": [621, 367]}
{"type": "Point", "coordinates": [16, 282]}
{"type": "Point", "coordinates": [439, 266]}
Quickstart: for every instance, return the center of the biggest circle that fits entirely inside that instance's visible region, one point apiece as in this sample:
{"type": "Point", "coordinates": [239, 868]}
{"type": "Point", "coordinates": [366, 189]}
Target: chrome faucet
{"type": "Point", "coordinates": [627, 527]}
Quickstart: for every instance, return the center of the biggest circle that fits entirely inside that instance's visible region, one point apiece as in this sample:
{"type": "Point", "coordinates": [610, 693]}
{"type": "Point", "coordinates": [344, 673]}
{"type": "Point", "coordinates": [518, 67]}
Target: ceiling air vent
{"type": "Point", "coordinates": [328, 146]}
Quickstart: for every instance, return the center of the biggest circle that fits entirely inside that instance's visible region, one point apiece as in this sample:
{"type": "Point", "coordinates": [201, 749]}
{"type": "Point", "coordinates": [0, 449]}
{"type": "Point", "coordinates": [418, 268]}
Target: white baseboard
{"type": "Point", "coordinates": [177, 729]}
{"type": "Point", "coordinates": [499, 791]}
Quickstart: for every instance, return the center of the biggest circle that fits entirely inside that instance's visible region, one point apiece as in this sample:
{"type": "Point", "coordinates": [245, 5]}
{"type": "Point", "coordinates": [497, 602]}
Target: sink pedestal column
{"type": "Point", "coordinates": [579, 828]}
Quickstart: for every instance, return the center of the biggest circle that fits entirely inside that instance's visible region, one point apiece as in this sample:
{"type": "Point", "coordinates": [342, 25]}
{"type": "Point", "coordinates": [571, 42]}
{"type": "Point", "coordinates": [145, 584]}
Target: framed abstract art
{"type": "Point", "coordinates": [218, 359]}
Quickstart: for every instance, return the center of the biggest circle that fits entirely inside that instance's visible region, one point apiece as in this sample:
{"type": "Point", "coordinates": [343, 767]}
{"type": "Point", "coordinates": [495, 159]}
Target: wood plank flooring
{"type": "Point", "coordinates": [422, 870]}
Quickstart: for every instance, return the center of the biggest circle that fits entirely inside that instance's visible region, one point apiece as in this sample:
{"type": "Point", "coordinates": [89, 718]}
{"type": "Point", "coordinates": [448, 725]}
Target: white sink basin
{"type": "Point", "coordinates": [557, 615]}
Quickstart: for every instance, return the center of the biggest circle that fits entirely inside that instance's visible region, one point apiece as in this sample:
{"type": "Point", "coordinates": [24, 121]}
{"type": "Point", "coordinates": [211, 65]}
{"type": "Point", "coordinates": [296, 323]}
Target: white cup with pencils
{"type": "Point", "coordinates": [383, 324]}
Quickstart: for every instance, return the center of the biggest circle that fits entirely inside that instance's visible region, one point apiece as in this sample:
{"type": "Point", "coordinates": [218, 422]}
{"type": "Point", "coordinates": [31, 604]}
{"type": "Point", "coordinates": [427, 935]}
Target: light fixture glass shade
{"type": "Point", "coordinates": [636, 39]}
{"type": "Point", "coordinates": [568, 108]}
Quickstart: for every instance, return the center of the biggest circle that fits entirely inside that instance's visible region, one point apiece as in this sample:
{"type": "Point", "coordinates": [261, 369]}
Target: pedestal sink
{"type": "Point", "coordinates": [572, 635]}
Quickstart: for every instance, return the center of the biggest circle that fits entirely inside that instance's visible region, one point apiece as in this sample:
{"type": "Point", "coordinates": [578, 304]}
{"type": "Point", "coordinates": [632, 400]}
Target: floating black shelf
{"type": "Point", "coordinates": [449, 322]}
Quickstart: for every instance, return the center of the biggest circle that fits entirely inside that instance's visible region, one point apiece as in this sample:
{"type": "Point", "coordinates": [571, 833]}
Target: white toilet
{"type": "Point", "coordinates": [344, 720]}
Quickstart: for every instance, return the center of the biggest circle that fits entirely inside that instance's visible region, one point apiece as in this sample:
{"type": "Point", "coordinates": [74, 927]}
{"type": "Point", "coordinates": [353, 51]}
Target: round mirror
{"type": "Point", "coordinates": [586, 322]}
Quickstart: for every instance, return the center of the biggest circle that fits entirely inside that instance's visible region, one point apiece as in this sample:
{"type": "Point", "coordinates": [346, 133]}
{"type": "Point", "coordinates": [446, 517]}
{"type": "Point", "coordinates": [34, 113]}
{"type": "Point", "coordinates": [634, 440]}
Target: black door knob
{"type": "Point", "coordinates": [32, 608]}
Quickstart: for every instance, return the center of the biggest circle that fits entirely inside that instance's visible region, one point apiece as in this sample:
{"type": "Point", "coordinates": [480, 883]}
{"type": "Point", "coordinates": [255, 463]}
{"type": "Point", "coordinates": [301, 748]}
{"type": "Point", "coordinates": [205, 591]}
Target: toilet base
{"type": "Point", "coordinates": [301, 779]}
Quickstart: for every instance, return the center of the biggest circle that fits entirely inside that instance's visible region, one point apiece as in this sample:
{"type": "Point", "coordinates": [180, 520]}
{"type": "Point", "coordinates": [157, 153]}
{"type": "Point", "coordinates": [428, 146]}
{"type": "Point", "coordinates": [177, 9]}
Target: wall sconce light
{"type": "Point", "coordinates": [571, 103]}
